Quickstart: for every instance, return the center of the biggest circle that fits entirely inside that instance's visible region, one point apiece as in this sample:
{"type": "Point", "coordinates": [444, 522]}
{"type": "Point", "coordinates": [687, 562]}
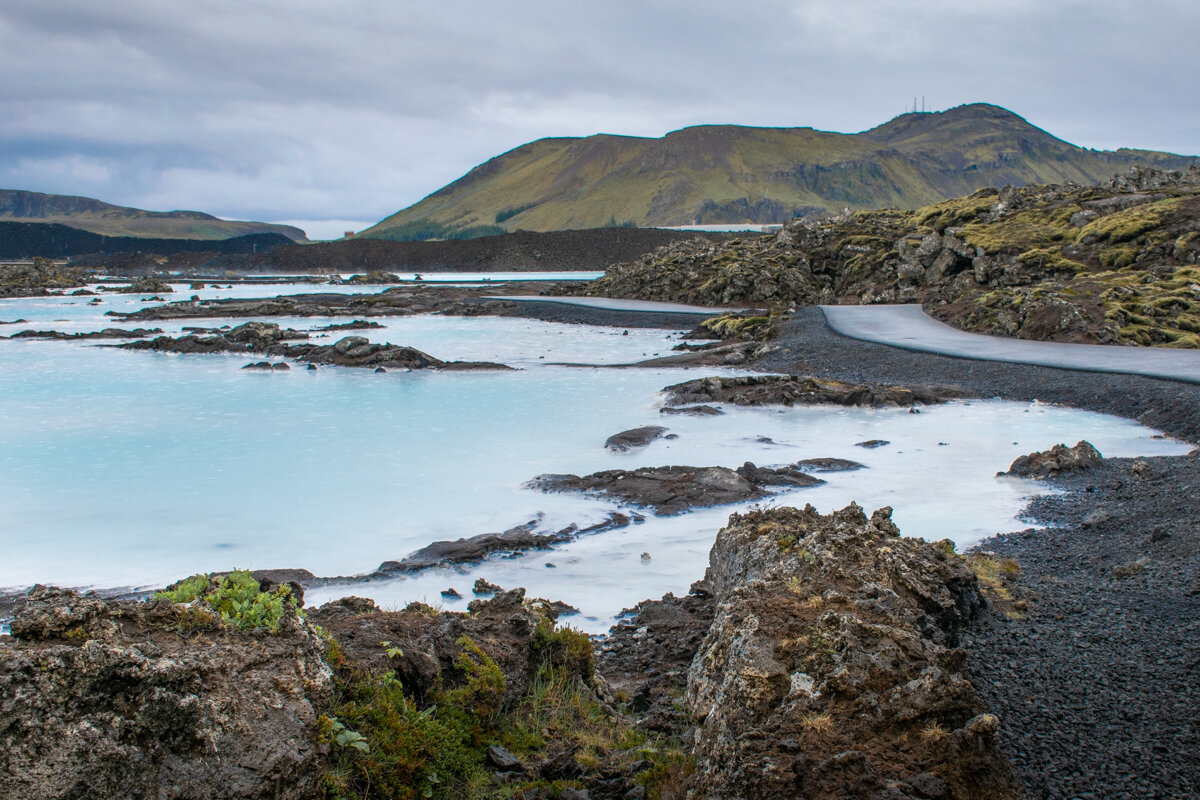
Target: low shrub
{"type": "Point", "coordinates": [237, 599]}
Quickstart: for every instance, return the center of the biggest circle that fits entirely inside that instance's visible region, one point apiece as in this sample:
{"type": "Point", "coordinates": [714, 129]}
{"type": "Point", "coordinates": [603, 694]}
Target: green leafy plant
{"type": "Point", "coordinates": [344, 737]}
{"type": "Point", "coordinates": [188, 589]}
{"type": "Point", "coordinates": [237, 599]}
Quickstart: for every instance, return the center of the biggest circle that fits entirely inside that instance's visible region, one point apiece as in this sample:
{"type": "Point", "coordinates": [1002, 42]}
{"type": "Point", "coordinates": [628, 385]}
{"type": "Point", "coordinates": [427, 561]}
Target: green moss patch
{"type": "Point", "coordinates": [1127, 225]}
{"type": "Point", "coordinates": [384, 744]}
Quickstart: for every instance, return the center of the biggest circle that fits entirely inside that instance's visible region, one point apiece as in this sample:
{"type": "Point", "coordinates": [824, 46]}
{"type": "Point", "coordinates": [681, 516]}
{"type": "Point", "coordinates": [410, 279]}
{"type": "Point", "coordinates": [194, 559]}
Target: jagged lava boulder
{"type": "Point", "coordinates": [504, 626]}
{"type": "Point", "coordinates": [831, 668]}
{"type": "Point", "coordinates": [1059, 458]}
{"type": "Point", "coordinates": [117, 699]}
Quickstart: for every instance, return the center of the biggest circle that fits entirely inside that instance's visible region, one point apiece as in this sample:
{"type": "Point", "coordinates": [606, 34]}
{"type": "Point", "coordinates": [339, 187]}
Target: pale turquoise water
{"type": "Point", "coordinates": [127, 468]}
{"type": "Point", "coordinates": [494, 277]}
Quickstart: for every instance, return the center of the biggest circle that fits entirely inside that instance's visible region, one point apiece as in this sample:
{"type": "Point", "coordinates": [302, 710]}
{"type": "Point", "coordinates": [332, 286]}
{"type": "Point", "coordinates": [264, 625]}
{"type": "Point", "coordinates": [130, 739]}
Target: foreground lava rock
{"type": "Point", "coordinates": [820, 653]}
{"type": "Point", "coordinates": [424, 651]}
{"type": "Point", "coordinates": [119, 699]}
{"type": "Point", "coordinates": [831, 667]}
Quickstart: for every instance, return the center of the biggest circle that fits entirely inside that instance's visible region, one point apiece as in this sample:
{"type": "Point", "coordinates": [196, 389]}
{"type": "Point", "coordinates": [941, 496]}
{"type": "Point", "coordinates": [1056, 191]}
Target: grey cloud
{"type": "Point", "coordinates": [353, 110]}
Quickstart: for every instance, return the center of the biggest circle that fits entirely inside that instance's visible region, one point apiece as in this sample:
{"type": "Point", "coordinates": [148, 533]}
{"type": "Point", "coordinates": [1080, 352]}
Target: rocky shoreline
{"type": "Point", "coordinates": [411, 298]}
{"type": "Point", "coordinates": [763, 708]}
{"type": "Point", "coordinates": [830, 629]}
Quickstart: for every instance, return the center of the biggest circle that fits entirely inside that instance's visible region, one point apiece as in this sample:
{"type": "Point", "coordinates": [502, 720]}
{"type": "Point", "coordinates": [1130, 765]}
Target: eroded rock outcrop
{"type": "Point", "coordinates": [40, 277]}
{"type": "Point", "coordinates": [504, 625]}
{"type": "Point", "coordinates": [1118, 263]}
{"type": "Point", "coordinates": [788, 390]}
{"type": "Point", "coordinates": [124, 699]}
{"type": "Point", "coordinates": [1059, 458]}
{"type": "Point", "coordinates": [358, 351]}
{"type": "Point", "coordinates": [518, 539]}
{"type": "Point", "coordinates": [269, 339]}
{"type": "Point", "coordinates": [143, 285]}
{"type": "Point", "coordinates": [675, 489]}
{"type": "Point", "coordinates": [830, 668]}
{"type": "Point", "coordinates": [249, 337]}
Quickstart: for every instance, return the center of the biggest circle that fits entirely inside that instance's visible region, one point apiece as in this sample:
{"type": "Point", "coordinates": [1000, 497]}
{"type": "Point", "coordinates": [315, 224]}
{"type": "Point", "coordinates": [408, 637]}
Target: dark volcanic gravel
{"type": "Point", "coordinates": [1098, 687]}
{"type": "Point", "coordinates": [551, 311]}
{"type": "Point", "coordinates": [810, 347]}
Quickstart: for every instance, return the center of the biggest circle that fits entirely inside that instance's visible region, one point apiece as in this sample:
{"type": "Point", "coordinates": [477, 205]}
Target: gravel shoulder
{"type": "Point", "coordinates": [1095, 686]}
{"type": "Point", "coordinates": [808, 346]}
{"type": "Point", "coordinates": [1095, 683]}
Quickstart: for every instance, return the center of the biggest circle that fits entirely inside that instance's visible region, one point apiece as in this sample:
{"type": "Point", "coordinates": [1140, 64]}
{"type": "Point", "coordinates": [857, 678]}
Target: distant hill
{"type": "Point", "coordinates": [726, 173]}
{"type": "Point", "coordinates": [20, 240]}
{"type": "Point", "coordinates": [552, 251]}
{"type": "Point", "coordinates": [103, 218]}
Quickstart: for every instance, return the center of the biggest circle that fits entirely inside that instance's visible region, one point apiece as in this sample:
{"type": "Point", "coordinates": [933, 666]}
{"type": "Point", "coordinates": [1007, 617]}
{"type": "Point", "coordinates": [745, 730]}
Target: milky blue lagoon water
{"type": "Point", "coordinates": [122, 468]}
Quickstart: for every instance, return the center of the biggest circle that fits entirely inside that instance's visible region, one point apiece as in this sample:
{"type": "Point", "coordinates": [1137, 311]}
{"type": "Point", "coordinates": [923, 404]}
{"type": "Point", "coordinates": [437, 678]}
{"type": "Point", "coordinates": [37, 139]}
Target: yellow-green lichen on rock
{"type": "Point", "coordinates": [1035, 262]}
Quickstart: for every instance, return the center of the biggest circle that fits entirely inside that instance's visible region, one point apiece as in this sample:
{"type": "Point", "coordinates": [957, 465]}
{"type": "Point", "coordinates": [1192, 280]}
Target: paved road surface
{"type": "Point", "coordinates": [909, 327]}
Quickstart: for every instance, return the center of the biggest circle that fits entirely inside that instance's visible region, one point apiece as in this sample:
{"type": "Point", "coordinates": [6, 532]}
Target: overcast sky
{"type": "Point", "coordinates": [349, 111]}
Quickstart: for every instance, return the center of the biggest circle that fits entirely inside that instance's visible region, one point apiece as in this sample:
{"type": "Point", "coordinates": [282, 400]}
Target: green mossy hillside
{"type": "Point", "coordinates": [106, 219]}
{"type": "Point", "coordinates": [712, 174]}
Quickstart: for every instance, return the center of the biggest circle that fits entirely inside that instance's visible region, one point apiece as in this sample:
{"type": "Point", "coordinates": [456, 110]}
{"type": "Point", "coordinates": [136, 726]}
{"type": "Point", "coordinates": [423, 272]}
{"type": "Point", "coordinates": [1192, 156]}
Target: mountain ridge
{"type": "Point", "coordinates": [731, 173]}
{"type": "Point", "coordinates": [106, 219]}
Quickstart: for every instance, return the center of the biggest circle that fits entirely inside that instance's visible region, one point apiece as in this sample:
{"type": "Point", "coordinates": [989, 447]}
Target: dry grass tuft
{"type": "Point", "coordinates": [934, 733]}
{"type": "Point", "coordinates": [817, 723]}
